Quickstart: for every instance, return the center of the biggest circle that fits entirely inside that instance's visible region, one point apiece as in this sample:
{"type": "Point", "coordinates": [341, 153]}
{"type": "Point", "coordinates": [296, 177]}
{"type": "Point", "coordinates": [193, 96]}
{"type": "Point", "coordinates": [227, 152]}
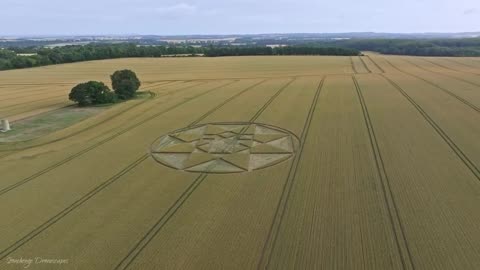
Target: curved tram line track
{"type": "Point", "coordinates": [56, 96]}
{"type": "Point", "coordinates": [61, 96]}
{"type": "Point", "coordinates": [12, 94]}
{"type": "Point", "coordinates": [26, 95]}
{"type": "Point", "coordinates": [15, 149]}
{"type": "Point", "coordinates": [29, 93]}
{"type": "Point", "coordinates": [36, 84]}
{"type": "Point", "coordinates": [32, 234]}
{"type": "Point", "coordinates": [462, 100]}
{"type": "Point", "coordinates": [153, 95]}
{"type": "Point", "coordinates": [57, 106]}
{"type": "Point", "coordinates": [109, 138]}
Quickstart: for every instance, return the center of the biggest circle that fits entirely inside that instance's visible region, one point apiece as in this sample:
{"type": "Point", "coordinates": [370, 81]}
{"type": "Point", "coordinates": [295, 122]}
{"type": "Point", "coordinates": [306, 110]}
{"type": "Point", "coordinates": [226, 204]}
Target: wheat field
{"type": "Point", "coordinates": [293, 162]}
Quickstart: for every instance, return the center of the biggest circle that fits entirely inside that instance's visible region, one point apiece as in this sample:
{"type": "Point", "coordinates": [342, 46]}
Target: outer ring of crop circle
{"type": "Point", "coordinates": [296, 143]}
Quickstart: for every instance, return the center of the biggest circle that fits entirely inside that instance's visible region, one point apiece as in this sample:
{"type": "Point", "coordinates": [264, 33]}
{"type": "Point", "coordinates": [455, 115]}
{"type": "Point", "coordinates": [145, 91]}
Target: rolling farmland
{"type": "Point", "coordinates": [294, 162]}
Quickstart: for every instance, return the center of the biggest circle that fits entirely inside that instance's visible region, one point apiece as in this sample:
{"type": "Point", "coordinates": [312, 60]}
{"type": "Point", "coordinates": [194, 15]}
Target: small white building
{"type": "Point", "coordinates": [276, 45]}
{"type": "Point", "coordinates": [4, 125]}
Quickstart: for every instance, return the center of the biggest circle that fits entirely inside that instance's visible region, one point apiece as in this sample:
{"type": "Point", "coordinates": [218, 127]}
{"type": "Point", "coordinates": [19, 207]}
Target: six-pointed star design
{"type": "Point", "coordinates": [224, 148]}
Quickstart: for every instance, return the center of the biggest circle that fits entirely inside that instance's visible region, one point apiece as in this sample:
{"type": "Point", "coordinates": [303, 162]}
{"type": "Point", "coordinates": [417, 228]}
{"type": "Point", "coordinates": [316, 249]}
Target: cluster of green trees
{"type": "Point", "coordinates": [287, 50]}
{"type": "Point", "coordinates": [419, 47]}
{"type": "Point", "coordinates": [125, 84]}
{"type": "Point", "coordinates": [69, 54]}
{"type": "Point", "coordinates": [77, 53]}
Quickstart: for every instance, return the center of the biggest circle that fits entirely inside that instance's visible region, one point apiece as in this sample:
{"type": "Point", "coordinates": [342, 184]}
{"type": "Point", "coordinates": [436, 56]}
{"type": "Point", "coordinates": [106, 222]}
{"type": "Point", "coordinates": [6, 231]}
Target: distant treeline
{"type": "Point", "coordinates": [420, 47]}
{"type": "Point", "coordinates": [9, 58]}
{"type": "Point", "coordinates": [427, 47]}
{"type": "Point", "coordinates": [287, 50]}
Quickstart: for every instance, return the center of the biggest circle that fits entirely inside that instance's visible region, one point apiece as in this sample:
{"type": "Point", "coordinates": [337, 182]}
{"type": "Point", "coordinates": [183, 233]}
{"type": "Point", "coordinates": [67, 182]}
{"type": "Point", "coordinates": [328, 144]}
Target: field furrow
{"type": "Point", "coordinates": [469, 64]}
{"type": "Point", "coordinates": [253, 162]}
{"type": "Point", "coordinates": [76, 146]}
{"type": "Point", "coordinates": [358, 65]}
{"type": "Point", "coordinates": [454, 65]}
{"type": "Point", "coordinates": [156, 167]}
{"type": "Point", "coordinates": [371, 65]}
{"type": "Point", "coordinates": [336, 198]}
{"type": "Point", "coordinates": [82, 180]}
{"type": "Point", "coordinates": [461, 136]}
{"type": "Point", "coordinates": [463, 92]}
{"type": "Point", "coordinates": [116, 117]}
{"type": "Point", "coordinates": [248, 201]}
{"type": "Point", "coordinates": [434, 67]}
{"type": "Point", "coordinates": [436, 202]}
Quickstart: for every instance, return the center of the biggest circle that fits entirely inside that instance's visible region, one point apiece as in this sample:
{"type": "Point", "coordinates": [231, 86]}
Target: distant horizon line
{"type": "Point", "coordinates": [235, 34]}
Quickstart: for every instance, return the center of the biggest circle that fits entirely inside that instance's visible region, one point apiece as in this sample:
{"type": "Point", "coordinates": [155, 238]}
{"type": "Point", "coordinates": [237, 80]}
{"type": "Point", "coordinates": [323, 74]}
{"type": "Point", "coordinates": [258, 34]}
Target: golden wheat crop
{"type": "Point", "coordinates": [368, 162]}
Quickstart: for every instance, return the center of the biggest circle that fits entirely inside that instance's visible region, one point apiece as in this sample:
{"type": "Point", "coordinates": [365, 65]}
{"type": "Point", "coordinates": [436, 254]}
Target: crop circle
{"type": "Point", "coordinates": [225, 147]}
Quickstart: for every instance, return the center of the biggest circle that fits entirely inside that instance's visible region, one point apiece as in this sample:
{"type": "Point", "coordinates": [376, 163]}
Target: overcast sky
{"type": "Point", "coordinates": [169, 17]}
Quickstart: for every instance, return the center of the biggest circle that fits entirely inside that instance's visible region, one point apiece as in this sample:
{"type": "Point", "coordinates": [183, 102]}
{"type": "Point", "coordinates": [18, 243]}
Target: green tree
{"type": "Point", "coordinates": [125, 83]}
{"type": "Point", "coordinates": [91, 93]}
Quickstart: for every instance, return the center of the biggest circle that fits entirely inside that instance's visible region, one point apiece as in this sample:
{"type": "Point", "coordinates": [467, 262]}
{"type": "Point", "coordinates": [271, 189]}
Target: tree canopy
{"type": "Point", "coordinates": [77, 53]}
{"type": "Point", "coordinates": [125, 83]}
{"type": "Point", "coordinates": [285, 50]}
{"type": "Point", "coordinates": [13, 58]}
{"type": "Point", "coordinates": [422, 47]}
{"type": "Point", "coordinates": [91, 93]}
